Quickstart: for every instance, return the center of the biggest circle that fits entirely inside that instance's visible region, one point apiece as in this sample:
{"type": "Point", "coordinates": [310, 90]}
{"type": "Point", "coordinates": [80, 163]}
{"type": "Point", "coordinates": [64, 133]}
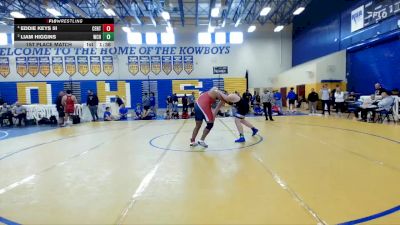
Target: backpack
{"type": "Point", "coordinates": [76, 119]}
{"type": "Point", "coordinates": [53, 120]}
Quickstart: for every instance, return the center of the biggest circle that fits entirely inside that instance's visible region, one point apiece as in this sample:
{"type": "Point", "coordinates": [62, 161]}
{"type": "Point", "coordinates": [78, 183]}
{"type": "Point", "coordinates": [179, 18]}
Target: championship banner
{"type": "Point", "coordinates": [166, 64]}
{"type": "Point", "coordinates": [188, 64]}
{"type": "Point", "coordinates": [4, 66]}
{"type": "Point", "coordinates": [144, 64]}
{"type": "Point", "coordinates": [133, 64]}
{"type": "Point", "coordinates": [83, 65]}
{"type": "Point", "coordinates": [156, 64]}
{"type": "Point", "coordinates": [22, 68]}
{"type": "Point", "coordinates": [70, 66]}
{"type": "Point", "coordinates": [95, 65]}
{"type": "Point", "coordinates": [33, 66]}
{"type": "Point", "coordinates": [57, 64]}
{"type": "Point", "coordinates": [108, 66]}
{"type": "Point", "coordinates": [44, 66]}
{"type": "Point", "coordinates": [178, 64]}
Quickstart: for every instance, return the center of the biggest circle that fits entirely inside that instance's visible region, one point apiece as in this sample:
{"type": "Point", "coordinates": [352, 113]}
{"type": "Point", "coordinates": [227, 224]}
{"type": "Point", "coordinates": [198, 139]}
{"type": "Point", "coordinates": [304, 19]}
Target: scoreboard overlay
{"type": "Point", "coordinates": [64, 33]}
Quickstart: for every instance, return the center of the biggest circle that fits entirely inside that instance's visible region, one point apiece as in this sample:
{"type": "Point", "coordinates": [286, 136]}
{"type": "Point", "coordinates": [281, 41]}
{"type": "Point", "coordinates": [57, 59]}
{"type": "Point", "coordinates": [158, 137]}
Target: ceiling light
{"type": "Point", "coordinates": [126, 29]}
{"type": "Point", "coordinates": [167, 38]}
{"type": "Point", "coordinates": [278, 28]}
{"type": "Point", "coordinates": [169, 29]}
{"type": "Point", "coordinates": [109, 12]}
{"type": "Point", "coordinates": [237, 22]}
{"type": "Point", "coordinates": [298, 11]}
{"type": "Point", "coordinates": [54, 12]}
{"type": "Point", "coordinates": [265, 11]}
{"type": "Point", "coordinates": [215, 12]}
{"type": "Point", "coordinates": [134, 38]}
{"type": "Point", "coordinates": [220, 38]}
{"type": "Point", "coordinates": [17, 15]}
{"type": "Point", "coordinates": [165, 15]}
{"type": "Point", "coordinates": [204, 38]}
{"type": "Point", "coordinates": [252, 28]}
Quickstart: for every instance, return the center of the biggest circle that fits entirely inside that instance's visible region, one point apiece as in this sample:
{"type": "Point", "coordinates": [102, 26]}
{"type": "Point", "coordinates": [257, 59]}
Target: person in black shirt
{"type": "Point", "coordinates": [60, 108]}
{"type": "Point", "coordinates": [118, 100]}
{"type": "Point", "coordinates": [242, 108]}
{"type": "Point", "coordinates": [379, 89]}
{"type": "Point", "coordinates": [184, 103]}
{"type": "Point", "coordinates": [312, 101]}
{"type": "Point", "coordinates": [93, 102]}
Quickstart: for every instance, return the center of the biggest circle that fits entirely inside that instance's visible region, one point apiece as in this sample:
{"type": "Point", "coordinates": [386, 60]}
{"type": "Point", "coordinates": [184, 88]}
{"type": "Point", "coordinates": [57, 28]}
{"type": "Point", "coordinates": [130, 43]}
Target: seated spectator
{"type": "Point", "coordinates": [6, 114]}
{"type": "Point", "coordinates": [123, 112]}
{"type": "Point", "coordinates": [20, 113]}
{"type": "Point", "coordinates": [167, 115]}
{"type": "Point", "coordinates": [386, 103]}
{"type": "Point", "coordinates": [147, 113]}
{"type": "Point", "coordinates": [138, 111]}
{"type": "Point", "coordinates": [175, 115]}
{"type": "Point", "coordinates": [379, 89]}
{"type": "Point", "coordinates": [351, 97]}
{"type": "Point", "coordinates": [368, 105]}
{"type": "Point", "coordinates": [107, 114]}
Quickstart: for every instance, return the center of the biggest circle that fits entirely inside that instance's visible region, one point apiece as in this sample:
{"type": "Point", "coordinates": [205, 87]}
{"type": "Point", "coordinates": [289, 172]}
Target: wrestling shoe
{"type": "Point", "coordinates": [193, 144]}
{"type": "Point", "coordinates": [240, 140]}
{"type": "Point", "coordinates": [255, 131]}
{"type": "Point", "coordinates": [202, 143]}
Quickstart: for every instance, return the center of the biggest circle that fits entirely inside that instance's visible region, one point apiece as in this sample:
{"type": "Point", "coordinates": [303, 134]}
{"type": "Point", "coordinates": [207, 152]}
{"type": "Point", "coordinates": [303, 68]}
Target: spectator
{"type": "Point", "coordinates": [60, 108]}
{"type": "Point", "coordinates": [369, 104]}
{"type": "Point", "coordinates": [300, 101]}
{"type": "Point", "coordinates": [169, 103]}
{"type": "Point", "coordinates": [119, 101]}
{"type": "Point", "coordinates": [292, 100]}
{"type": "Point", "coordinates": [278, 101]}
{"type": "Point", "coordinates": [107, 114]}
{"type": "Point", "coordinates": [339, 101]}
{"type": "Point", "coordinates": [257, 99]}
{"type": "Point", "coordinates": [352, 97]}
{"type": "Point", "coordinates": [146, 100]}
{"type": "Point", "coordinates": [20, 113]}
{"type": "Point", "coordinates": [93, 103]}
{"type": "Point", "coordinates": [333, 102]}
{"type": "Point", "coordinates": [68, 101]}
{"type": "Point", "coordinates": [123, 112]}
{"type": "Point", "coordinates": [267, 98]}
{"type": "Point", "coordinates": [184, 103]}
{"type": "Point", "coordinates": [175, 102]}
{"type": "Point", "coordinates": [379, 89]}
{"type": "Point", "coordinates": [191, 100]}
{"type": "Point", "coordinates": [247, 96]}
{"type": "Point", "coordinates": [6, 114]}
{"type": "Point", "coordinates": [312, 101]}
{"type": "Point", "coordinates": [153, 102]}
{"type": "Point", "coordinates": [167, 115]}
{"type": "Point", "coordinates": [325, 100]}
{"type": "Point", "coordinates": [138, 111]}
{"type": "Point", "coordinates": [384, 104]}
{"type": "Point", "coordinates": [1, 101]}
{"type": "Point", "coordinates": [147, 113]}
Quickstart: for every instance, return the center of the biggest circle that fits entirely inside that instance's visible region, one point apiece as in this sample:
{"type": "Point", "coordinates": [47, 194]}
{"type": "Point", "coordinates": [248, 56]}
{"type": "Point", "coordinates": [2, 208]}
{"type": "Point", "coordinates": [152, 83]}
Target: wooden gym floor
{"type": "Point", "coordinates": [299, 170]}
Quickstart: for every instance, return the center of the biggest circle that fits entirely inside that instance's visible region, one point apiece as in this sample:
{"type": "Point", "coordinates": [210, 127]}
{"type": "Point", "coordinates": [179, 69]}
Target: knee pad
{"type": "Point", "coordinates": [209, 126]}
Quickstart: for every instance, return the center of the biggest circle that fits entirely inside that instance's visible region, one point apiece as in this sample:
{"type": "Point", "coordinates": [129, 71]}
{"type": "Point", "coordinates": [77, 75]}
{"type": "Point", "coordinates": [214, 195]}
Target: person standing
{"type": "Point", "coordinates": [267, 99]}
{"type": "Point", "coordinates": [175, 102]}
{"type": "Point", "coordinates": [242, 108]}
{"type": "Point", "coordinates": [68, 101]}
{"type": "Point", "coordinates": [325, 100]}
{"type": "Point", "coordinates": [278, 101]}
{"type": "Point", "coordinates": [184, 103]}
{"type": "Point", "coordinates": [93, 103]}
{"type": "Point", "coordinates": [153, 102]}
{"type": "Point", "coordinates": [247, 96]}
{"type": "Point", "coordinates": [6, 114]}
{"type": "Point", "coordinates": [191, 100]}
{"type": "Point", "coordinates": [339, 101]}
{"type": "Point", "coordinates": [203, 111]}
{"type": "Point", "coordinates": [292, 100]}
{"type": "Point", "coordinates": [60, 108]}
{"type": "Point", "coordinates": [312, 101]}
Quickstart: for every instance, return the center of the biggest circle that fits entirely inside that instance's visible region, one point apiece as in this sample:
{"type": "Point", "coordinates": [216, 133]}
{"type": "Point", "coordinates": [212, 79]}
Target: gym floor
{"type": "Point", "coordinates": [298, 170]}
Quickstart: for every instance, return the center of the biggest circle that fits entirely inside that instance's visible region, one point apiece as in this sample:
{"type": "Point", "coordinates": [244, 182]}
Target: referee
{"type": "Point", "coordinates": [267, 98]}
